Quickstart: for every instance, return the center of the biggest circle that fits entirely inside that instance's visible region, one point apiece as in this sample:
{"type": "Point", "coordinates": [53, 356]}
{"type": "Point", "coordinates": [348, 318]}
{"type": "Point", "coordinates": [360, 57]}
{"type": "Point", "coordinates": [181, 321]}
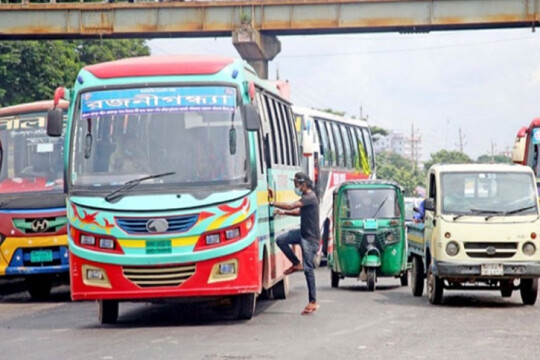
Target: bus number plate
{"type": "Point", "coordinates": [158, 247]}
{"type": "Point", "coordinates": [39, 256]}
{"type": "Point", "coordinates": [491, 270]}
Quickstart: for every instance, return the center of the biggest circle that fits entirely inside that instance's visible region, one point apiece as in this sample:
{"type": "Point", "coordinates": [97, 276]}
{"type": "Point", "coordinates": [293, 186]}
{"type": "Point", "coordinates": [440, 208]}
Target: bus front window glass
{"type": "Point", "coordinates": [197, 133]}
{"type": "Point", "coordinates": [325, 159]}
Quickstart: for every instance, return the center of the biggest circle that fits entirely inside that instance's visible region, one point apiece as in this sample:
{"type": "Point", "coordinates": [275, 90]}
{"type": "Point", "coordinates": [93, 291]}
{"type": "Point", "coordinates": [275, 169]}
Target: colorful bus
{"type": "Point", "coordinates": [335, 148]}
{"type": "Point", "coordinates": [169, 166]}
{"type": "Point", "coordinates": [526, 149]}
{"type": "Point", "coordinates": [33, 223]}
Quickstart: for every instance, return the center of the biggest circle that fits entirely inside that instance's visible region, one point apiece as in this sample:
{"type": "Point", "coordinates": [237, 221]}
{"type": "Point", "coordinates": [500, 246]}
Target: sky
{"type": "Point", "coordinates": [484, 83]}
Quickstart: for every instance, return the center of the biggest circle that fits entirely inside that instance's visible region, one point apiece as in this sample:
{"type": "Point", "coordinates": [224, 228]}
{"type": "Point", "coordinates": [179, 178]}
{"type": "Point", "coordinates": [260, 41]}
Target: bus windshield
{"type": "Point", "coordinates": [195, 132]}
{"type": "Point", "coordinates": [31, 161]}
{"type": "Point", "coordinates": [488, 194]}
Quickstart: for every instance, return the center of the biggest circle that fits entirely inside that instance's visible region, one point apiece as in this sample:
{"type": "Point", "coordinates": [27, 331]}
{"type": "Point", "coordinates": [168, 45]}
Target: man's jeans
{"type": "Point", "coordinates": [309, 249]}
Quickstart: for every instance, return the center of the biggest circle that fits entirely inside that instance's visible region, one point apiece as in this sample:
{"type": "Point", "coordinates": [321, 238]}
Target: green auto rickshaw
{"type": "Point", "coordinates": [369, 232]}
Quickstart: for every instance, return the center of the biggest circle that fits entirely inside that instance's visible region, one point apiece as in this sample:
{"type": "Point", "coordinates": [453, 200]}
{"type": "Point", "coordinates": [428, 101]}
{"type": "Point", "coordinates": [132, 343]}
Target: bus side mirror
{"type": "Point", "coordinates": [251, 116]}
{"type": "Point", "coordinates": [429, 204]}
{"type": "Point", "coordinates": [55, 122]}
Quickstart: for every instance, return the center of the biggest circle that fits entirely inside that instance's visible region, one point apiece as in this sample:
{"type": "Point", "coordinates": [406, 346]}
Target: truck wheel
{"type": "Point", "coordinates": [404, 278]}
{"type": "Point", "coordinates": [245, 306]}
{"type": "Point", "coordinates": [529, 291]}
{"type": "Point", "coordinates": [39, 287]}
{"type": "Point", "coordinates": [107, 311]}
{"type": "Point", "coordinates": [507, 287]}
{"type": "Point", "coordinates": [281, 289]}
{"type": "Point", "coordinates": [334, 277]}
{"type": "Point", "coordinates": [417, 276]}
{"type": "Point", "coordinates": [371, 278]}
{"type": "Point", "coordinates": [435, 287]}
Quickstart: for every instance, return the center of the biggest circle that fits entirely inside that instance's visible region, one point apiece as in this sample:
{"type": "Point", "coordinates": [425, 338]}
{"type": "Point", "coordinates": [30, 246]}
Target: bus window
{"type": "Point", "coordinates": [278, 126]}
{"type": "Point", "coordinates": [332, 157]}
{"type": "Point", "coordinates": [287, 135]}
{"type": "Point", "coordinates": [346, 146]}
{"type": "Point", "coordinates": [369, 148]}
{"type": "Point", "coordinates": [354, 146]}
{"type": "Point", "coordinates": [267, 103]}
{"type": "Point", "coordinates": [339, 144]}
{"type": "Point", "coordinates": [324, 159]}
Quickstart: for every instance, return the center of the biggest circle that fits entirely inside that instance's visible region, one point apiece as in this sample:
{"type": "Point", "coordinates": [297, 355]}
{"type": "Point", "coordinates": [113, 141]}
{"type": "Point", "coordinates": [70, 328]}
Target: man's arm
{"type": "Point", "coordinates": [287, 208]}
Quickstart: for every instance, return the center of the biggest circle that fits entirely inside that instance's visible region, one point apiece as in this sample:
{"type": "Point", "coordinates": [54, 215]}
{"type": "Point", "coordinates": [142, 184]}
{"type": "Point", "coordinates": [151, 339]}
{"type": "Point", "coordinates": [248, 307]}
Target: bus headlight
{"type": "Point", "coordinates": [452, 248]}
{"type": "Point", "coordinates": [529, 249]}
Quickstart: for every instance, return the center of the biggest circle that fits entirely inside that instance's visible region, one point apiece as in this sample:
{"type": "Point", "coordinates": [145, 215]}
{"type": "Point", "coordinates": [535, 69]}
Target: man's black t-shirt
{"type": "Point", "coordinates": [309, 217]}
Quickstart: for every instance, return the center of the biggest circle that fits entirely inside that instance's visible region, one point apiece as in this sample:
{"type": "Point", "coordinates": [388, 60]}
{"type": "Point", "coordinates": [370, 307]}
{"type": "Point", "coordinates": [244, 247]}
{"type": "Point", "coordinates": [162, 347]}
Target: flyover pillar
{"type": "Point", "coordinates": [256, 48]}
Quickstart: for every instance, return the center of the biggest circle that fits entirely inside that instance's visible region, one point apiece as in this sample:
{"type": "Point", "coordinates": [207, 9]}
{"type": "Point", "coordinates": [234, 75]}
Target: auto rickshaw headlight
{"type": "Point", "coordinates": [529, 249]}
{"type": "Point", "coordinates": [391, 238]}
{"type": "Point", "coordinates": [452, 248]}
{"type": "Point", "coordinates": [349, 238]}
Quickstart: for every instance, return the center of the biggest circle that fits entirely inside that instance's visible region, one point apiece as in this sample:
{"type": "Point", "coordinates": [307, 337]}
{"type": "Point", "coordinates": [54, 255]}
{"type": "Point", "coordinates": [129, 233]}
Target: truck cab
{"type": "Point", "coordinates": [480, 231]}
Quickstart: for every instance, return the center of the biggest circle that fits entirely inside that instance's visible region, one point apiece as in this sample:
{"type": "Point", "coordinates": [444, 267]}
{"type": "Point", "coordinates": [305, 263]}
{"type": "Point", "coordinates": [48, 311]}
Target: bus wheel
{"type": "Point", "coordinates": [417, 276]}
{"type": "Point", "coordinates": [507, 287]}
{"type": "Point", "coordinates": [435, 287]}
{"type": "Point", "coordinates": [529, 291]}
{"type": "Point", "coordinates": [39, 287]}
{"type": "Point", "coordinates": [107, 311]}
{"type": "Point", "coordinates": [371, 278]}
{"type": "Point", "coordinates": [334, 279]}
{"type": "Point", "coordinates": [281, 289]}
{"type": "Point", "coordinates": [245, 306]}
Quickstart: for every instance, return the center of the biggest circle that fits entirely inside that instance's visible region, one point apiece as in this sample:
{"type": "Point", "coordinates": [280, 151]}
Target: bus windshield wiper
{"type": "Point", "coordinates": [520, 209]}
{"type": "Point", "coordinates": [118, 193]}
{"type": "Point", "coordinates": [477, 212]}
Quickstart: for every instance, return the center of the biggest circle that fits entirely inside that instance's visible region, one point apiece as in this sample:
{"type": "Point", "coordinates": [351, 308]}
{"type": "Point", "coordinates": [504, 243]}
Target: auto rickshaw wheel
{"type": "Point", "coordinates": [529, 291]}
{"type": "Point", "coordinates": [435, 287]}
{"type": "Point", "coordinates": [107, 311]}
{"type": "Point", "coordinates": [507, 287]}
{"type": "Point", "coordinates": [371, 278]}
{"type": "Point", "coordinates": [404, 278]}
{"type": "Point", "coordinates": [417, 276]}
{"type": "Point", "coordinates": [334, 277]}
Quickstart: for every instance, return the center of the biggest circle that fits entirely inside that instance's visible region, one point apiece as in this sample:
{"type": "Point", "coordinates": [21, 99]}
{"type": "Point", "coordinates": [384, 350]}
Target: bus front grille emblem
{"type": "Point", "coordinates": [40, 225]}
{"type": "Point", "coordinates": [157, 225]}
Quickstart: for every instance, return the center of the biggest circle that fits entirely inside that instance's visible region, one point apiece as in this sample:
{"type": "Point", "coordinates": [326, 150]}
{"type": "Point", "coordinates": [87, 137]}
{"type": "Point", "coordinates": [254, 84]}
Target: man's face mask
{"type": "Point", "coordinates": [297, 190]}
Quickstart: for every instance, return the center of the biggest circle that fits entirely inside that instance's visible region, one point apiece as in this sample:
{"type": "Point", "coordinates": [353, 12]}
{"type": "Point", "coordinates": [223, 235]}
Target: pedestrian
{"type": "Point", "coordinates": [307, 207]}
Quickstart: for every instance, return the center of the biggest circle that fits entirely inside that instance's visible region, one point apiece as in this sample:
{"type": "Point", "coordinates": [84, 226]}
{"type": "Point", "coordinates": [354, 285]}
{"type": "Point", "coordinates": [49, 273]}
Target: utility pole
{"type": "Point", "coordinates": [461, 141]}
{"type": "Point", "coordinates": [414, 147]}
{"type": "Point", "coordinates": [492, 152]}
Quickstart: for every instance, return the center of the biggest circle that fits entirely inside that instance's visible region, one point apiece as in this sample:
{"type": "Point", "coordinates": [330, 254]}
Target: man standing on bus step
{"type": "Point", "coordinates": [307, 207]}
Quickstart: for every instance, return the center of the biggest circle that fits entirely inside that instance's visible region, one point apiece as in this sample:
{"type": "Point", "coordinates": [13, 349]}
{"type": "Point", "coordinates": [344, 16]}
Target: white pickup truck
{"type": "Point", "coordinates": [480, 231]}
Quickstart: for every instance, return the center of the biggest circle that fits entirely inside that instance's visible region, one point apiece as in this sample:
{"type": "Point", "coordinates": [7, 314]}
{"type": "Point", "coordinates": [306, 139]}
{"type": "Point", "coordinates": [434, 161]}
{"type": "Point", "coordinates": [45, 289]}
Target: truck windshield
{"type": "Point", "coordinates": [195, 132]}
{"type": "Point", "coordinates": [370, 203]}
{"type": "Point", "coordinates": [31, 161]}
{"type": "Point", "coordinates": [488, 194]}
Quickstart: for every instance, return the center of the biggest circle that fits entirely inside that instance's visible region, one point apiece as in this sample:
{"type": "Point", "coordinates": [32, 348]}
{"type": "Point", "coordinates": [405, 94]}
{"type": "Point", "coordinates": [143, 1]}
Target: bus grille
{"type": "Point", "coordinates": [491, 250]}
{"type": "Point", "coordinates": [176, 224]}
{"type": "Point", "coordinates": [155, 276]}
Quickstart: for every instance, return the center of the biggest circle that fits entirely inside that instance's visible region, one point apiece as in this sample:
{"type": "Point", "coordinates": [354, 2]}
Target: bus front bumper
{"type": "Point", "coordinates": [232, 274]}
{"type": "Point", "coordinates": [510, 270]}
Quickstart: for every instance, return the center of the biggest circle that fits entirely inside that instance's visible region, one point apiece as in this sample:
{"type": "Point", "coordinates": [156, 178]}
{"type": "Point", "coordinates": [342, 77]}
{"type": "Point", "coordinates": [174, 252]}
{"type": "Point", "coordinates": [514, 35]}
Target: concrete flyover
{"type": "Point", "coordinates": [254, 25]}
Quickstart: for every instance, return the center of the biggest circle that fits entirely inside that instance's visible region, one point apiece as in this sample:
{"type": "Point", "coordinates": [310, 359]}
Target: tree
{"type": "Point", "coordinates": [488, 159]}
{"type": "Point", "coordinates": [391, 166]}
{"type": "Point", "coordinates": [377, 132]}
{"type": "Point", "coordinates": [447, 157]}
{"type": "Point", "coordinates": [32, 70]}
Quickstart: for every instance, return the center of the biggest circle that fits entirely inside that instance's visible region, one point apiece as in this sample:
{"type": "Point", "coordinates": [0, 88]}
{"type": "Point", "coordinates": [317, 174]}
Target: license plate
{"type": "Point", "coordinates": [38, 256]}
{"type": "Point", "coordinates": [158, 247]}
{"type": "Point", "coordinates": [491, 270]}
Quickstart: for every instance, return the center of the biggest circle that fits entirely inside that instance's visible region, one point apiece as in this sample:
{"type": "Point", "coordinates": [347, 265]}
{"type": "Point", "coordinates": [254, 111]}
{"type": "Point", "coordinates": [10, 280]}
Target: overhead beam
{"type": "Point", "coordinates": [271, 17]}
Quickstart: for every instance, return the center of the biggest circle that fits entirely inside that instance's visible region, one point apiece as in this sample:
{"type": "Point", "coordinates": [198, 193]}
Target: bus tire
{"type": "Point", "coordinates": [417, 276]}
{"type": "Point", "coordinates": [435, 286]}
{"type": "Point", "coordinates": [529, 291]}
{"type": "Point", "coordinates": [334, 279]}
{"type": "Point", "coordinates": [107, 311]}
{"type": "Point", "coordinates": [245, 306]}
{"type": "Point", "coordinates": [371, 278]}
{"type": "Point", "coordinates": [39, 286]}
{"type": "Point", "coordinates": [281, 289]}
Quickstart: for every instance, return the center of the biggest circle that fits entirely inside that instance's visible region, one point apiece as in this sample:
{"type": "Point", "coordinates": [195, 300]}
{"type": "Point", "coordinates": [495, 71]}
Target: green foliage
{"type": "Point", "coordinates": [31, 70]}
{"type": "Point", "coordinates": [377, 132]}
{"type": "Point", "coordinates": [488, 159]}
{"type": "Point", "coordinates": [332, 111]}
{"type": "Point", "coordinates": [447, 157]}
{"type": "Point", "coordinates": [395, 167]}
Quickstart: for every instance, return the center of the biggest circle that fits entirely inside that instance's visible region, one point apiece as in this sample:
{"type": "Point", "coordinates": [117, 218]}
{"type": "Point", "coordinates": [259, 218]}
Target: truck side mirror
{"type": "Point", "coordinates": [430, 204]}
{"type": "Point", "coordinates": [55, 118]}
{"type": "Point", "coordinates": [251, 117]}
